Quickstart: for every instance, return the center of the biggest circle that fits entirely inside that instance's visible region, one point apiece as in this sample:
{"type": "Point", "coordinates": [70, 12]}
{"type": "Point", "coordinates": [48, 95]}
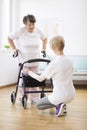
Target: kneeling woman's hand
{"type": "Point", "coordinates": [25, 70]}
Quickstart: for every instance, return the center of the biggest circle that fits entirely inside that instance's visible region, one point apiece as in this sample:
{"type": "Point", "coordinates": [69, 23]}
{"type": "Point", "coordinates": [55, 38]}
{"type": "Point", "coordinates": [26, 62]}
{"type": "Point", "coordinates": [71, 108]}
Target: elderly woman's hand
{"type": "Point", "coordinates": [43, 53]}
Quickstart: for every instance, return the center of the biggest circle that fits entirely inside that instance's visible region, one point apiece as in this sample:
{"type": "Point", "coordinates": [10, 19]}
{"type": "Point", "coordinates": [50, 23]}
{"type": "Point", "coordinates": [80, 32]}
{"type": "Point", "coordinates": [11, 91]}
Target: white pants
{"type": "Point", "coordinates": [32, 96]}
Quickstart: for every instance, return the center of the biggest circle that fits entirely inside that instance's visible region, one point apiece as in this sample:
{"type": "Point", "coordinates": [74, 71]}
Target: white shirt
{"type": "Point", "coordinates": [61, 71]}
{"type": "Point", "coordinates": [28, 43]}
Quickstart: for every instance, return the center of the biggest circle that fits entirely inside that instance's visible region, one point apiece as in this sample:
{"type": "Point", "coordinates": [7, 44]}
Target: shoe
{"type": "Point", "coordinates": [61, 109]}
{"type": "Point", "coordinates": [20, 99]}
{"type": "Point", "coordinates": [34, 101]}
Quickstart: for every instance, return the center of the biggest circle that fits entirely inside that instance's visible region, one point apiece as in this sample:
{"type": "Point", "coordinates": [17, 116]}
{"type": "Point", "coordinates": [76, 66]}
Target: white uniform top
{"type": "Point", "coordinates": [28, 43]}
{"type": "Point", "coordinates": [61, 72]}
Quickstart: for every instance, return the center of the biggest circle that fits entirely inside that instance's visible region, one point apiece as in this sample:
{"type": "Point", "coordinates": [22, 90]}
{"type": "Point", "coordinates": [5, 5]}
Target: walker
{"type": "Point", "coordinates": [30, 82]}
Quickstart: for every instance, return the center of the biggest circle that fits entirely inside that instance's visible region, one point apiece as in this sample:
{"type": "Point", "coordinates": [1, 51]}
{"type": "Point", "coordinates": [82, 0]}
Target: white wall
{"type": "Point", "coordinates": [8, 69]}
{"type": "Point", "coordinates": [70, 16]}
{"type": "Point", "coordinates": [8, 65]}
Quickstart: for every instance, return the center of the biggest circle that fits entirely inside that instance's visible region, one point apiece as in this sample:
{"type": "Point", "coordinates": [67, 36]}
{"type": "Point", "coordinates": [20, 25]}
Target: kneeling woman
{"type": "Point", "coordinates": [61, 71]}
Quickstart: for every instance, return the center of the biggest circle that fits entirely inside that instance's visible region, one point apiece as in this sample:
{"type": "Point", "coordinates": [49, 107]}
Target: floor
{"type": "Point", "coordinates": [15, 117]}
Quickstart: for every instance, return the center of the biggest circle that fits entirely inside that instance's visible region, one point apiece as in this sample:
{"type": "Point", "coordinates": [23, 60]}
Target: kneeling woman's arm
{"type": "Point", "coordinates": [46, 74]}
{"type": "Point", "coordinates": [40, 78]}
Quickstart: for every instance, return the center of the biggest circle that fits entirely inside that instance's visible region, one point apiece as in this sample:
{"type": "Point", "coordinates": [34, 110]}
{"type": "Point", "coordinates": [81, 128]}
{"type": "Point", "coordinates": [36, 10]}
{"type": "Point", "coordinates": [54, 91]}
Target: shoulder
{"type": "Point", "coordinates": [40, 33]}
{"type": "Point", "coordinates": [68, 60]}
{"type": "Point", "coordinates": [54, 62]}
{"type": "Point", "coordinates": [22, 29]}
{"type": "Point", "coordinates": [38, 30]}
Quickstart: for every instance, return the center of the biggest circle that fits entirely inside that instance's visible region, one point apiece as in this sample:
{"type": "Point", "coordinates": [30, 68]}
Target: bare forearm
{"type": "Point", "coordinates": [44, 44]}
{"type": "Point", "coordinates": [40, 78]}
{"type": "Point", "coordinates": [11, 44]}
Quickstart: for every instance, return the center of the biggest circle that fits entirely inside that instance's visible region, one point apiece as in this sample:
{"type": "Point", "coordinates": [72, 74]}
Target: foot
{"type": "Point", "coordinates": [61, 109]}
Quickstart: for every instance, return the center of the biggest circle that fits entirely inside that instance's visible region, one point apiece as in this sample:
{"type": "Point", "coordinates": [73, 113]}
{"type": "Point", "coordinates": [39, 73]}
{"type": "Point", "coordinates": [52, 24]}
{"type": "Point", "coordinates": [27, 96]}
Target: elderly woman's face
{"type": "Point", "coordinates": [30, 26]}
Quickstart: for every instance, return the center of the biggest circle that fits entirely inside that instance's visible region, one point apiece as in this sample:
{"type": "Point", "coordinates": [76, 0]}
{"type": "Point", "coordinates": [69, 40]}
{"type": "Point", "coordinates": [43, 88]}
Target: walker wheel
{"type": "Point", "coordinates": [24, 101]}
{"type": "Point", "coordinates": [42, 94]}
{"type": "Point", "coordinates": [13, 97]}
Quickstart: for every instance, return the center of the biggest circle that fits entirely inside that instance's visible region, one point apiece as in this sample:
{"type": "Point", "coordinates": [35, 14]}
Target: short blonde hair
{"type": "Point", "coordinates": [57, 43]}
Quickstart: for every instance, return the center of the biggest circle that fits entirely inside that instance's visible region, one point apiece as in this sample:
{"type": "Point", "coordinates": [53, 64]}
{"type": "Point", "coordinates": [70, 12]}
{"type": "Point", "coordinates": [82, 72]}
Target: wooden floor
{"type": "Point", "coordinates": [15, 117]}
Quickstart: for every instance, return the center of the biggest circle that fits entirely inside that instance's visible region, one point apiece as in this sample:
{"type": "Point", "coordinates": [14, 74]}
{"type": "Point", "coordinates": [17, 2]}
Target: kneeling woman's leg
{"type": "Point", "coordinates": [44, 103]}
